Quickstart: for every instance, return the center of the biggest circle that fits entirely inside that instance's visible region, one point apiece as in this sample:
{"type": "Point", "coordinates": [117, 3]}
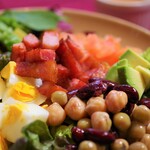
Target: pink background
{"type": "Point", "coordinates": [78, 4]}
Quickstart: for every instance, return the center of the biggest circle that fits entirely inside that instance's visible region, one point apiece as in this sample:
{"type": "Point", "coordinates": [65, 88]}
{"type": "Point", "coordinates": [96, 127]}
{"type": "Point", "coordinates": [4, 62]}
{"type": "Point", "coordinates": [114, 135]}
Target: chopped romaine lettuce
{"type": "Point", "coordinates": [37, 136]}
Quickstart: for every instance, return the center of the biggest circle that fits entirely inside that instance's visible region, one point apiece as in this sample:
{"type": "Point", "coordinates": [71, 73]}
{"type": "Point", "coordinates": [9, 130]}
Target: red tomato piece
{"type": "Point", "coordinates": [76, 84]}
{"type": "Point", "coordinates": [47, 88]}
{"type": "Point", "coordinates": [40, 55]}
{"type": "Point", "coordinates": [50, 39]}
{"type": "Point", "coordinates": [31, 41]}
{"type": "Point", "coordinates": [46, 70]}
{"type": "Point", "coordinates": [68, 60]}
{"type": "Point", "coordinates": [18, 52]}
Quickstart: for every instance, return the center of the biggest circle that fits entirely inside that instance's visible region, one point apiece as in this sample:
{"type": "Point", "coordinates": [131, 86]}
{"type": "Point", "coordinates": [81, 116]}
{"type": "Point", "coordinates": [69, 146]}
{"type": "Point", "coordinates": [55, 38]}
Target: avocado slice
{"type": "Point", "coordinates": [146, 54]}
{"type": "Point", "coordinates": [112, 74]}
{"type": "Point", "coordinates": [134, 59]}
{"type": "Point", "coordinates": [132, 77]}
{"type": "Point", "coordinates": [145, 74]}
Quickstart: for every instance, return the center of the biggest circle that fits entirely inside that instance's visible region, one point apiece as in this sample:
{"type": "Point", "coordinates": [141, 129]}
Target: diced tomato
{"type": "Point", "coordinates": [50, 39]}
{"type": "Point", "coordinates": [48, 88]}
{"type": "Point", "coordinates": [68, 60]}
{"type": "Point", "coordinates": [18, 52]}
{"type": "Point", "coordinates": [46, 70]}
{"type": "Point", "coordinates": [63, 76]}
{"type": "Point", "coordinates": [40, 55]}
{"type": "Point", "coordinates": [76, 84]}
{"type": "Point", "coordinates": [31, 41]}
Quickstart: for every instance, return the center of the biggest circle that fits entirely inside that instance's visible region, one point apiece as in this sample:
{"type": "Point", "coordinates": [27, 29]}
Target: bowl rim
{"type": "Point", "coordinates": [121, 3]}
{"type": "Point", "coordinates": [107, 17]}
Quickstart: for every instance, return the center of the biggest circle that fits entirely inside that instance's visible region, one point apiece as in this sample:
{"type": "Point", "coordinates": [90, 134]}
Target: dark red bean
{"type": "Point", "coordinates": [99, 136]}
{"type": "Point", "coordinates": [144, 101]}
{"type": "Point", "coordinates": [71, 93]}
{"type": "Point", "coordinates": [71, 147]}
{"type": "Point", "coordinates": [129, 108]}
{"type": "Point", "coordinates": [95, 135]}
{"type": "Point", "coordinates": [77, 134]}
{"type": "Point", "coordinates": [131, 92]}
{"type": "Point", "coordinates": [94, 88]}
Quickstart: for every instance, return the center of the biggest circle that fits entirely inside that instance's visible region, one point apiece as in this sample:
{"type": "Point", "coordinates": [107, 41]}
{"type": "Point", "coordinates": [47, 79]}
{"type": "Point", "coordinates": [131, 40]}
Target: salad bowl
{"type": "Point", "coordinates": [68, 90]}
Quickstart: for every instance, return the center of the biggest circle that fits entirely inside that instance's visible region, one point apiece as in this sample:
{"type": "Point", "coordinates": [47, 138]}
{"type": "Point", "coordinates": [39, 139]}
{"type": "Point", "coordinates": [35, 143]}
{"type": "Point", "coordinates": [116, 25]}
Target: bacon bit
{"type": "Point", "coordinates": [68, 60]}
{"type": "Point", "coordinates": [31, 41]}
{"type": "Point", "coordinates": [50, 39]}
{"type": "Point", "coordinates": [40, 55]}
{"type": "Point", "coordinates": [46, 70]}
{"type": "Point", "coordinates": [18, 52]}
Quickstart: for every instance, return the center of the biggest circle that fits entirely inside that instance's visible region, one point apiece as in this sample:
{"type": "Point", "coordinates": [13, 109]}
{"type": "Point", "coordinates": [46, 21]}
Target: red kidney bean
{"type": "Point", "coordinates": [144, 101]}
{"type": "Point", "coordinates": [99, 136]}
{"type": "Point", "coordinates": [77, 134]}
{"type": "Point", "coordinates": [71, 147]}
{"type": "Point", "coordinates": [71, 93]}
{"type": "Point", "coordinates": [129, 108]}
{"type": "Point", "coordinates": [132, 93]}
{"type": "Point", "coordinates": [94, 88]}
{"type": "Point", "coordinates": [95, 135]}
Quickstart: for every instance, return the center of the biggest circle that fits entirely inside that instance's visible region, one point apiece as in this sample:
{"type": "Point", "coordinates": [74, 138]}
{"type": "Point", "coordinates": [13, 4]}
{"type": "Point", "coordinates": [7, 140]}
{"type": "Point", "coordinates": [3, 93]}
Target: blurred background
{"type": "Point", "coordinates": [136, 11]}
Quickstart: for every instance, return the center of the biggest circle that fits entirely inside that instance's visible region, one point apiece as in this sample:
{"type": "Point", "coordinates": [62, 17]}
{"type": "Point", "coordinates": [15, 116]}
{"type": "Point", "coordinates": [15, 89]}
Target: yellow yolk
{"type": "Point", "coordinates": [3, 145]}
{"type": "Point", "coordinates": [23, 92]}
{"type": "Point", "coordinates": [8, 69]}
{"type": "Point", "coordinates": [14, 112]}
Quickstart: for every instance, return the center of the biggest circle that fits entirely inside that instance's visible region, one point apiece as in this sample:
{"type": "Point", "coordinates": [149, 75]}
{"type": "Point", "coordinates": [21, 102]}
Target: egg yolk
{"type": "Point", "coordinates": [14, 113]}
{"type": "Point", "coordinates": [23, 92]}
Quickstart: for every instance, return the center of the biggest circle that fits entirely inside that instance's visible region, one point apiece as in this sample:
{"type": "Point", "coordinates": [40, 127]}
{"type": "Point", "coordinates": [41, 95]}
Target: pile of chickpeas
{"type": "Point", "coordinates": [104, 113]}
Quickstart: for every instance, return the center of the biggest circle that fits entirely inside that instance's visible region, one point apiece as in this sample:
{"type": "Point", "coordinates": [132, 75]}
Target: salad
{"type": "Point", "coordinates": [66, 91]}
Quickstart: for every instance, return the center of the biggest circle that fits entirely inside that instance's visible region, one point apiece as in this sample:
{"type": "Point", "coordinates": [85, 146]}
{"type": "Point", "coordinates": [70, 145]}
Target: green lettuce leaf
{"type": "Point", "coordinates": [37, 20]}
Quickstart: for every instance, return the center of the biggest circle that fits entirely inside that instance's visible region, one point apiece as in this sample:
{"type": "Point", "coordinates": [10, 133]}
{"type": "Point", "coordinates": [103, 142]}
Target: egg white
{"type": "Point", "coordinates": [11, 125]}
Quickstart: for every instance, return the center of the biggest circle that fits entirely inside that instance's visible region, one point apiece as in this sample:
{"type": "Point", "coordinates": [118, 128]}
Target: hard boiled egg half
{"type": "Point", "coordinates": [14, 115]}
{"type": "Point", "coordinates": [20, 88]}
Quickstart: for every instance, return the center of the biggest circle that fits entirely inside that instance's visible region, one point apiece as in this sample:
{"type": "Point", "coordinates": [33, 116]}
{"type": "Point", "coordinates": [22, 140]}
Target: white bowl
{"type": "Point", "coordinates": [137, 11]}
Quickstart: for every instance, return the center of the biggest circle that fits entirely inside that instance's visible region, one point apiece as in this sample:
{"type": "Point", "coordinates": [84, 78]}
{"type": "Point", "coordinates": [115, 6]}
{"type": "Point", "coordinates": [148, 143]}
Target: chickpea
{"type": "Point", "coordinates": [148, 128]}
{"type": "Point", "coordinates": [56, 114]}
{"type": "Point", "coordinates": [87, 145]}
{"type": "Point", "coordinates": [146, 140]}
{"type": "Point", "coordinates": [84, 123]}
{"type": "Point", "coordinates": [101, 120]}
{"type": "Point", "coordinates": [136, 131]}
{"type": "Point", "coordinates": [60, 97]}
{"type": "Point", "coordinates": [141, 113]}
{"type": "Point", "coordinates": [121, 121]}
{"type": "Point", "coordinates": [95, 104]}
{"type": "Point", "coordinates": [137, 146]}
{"type": "Point", "coordinates": [120, 144]}
{"type": "Point", "coordinates": [75, 108]}
{"type": "Point", "coordinates": [116, 101]}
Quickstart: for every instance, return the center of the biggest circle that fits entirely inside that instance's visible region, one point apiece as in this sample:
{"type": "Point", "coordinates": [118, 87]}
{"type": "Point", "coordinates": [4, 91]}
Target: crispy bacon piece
{"type": "Point", "coordinates": [68, 60]}
{"type": "Point", "coordinates": [50, 39]}
{"type": "Point", "coordinates": [46, 70]}
{"type": "Point", "coordinates": [63, 76]}
{"type": "Point", "coordinates": [40, 55]}
{"type": "Point", "coordinates": [80, 54]}
{"type": "Point", "coordinates": [31, 41]}
{"type": "Point", "coordinates": [18, 52]}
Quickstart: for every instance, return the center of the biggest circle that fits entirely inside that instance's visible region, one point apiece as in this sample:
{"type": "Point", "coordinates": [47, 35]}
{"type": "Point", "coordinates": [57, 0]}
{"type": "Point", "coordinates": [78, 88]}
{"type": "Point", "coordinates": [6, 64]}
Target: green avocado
{"type": "Point", "coordinates": [132, 77]}
{"type": "Point", "coordinates": [112, 74]}
{"type": "Point", "coordinates": [146, 54]}
{"type": "Point", "coordinates": [135, 59]}
{"type": "Point", "coordinates": [145, 74]}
